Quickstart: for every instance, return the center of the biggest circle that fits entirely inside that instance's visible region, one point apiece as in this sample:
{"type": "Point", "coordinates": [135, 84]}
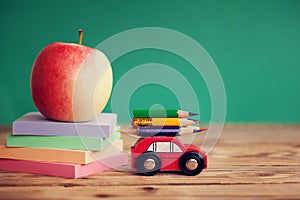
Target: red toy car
{"type": "Point", "coordinates": [159, 153]}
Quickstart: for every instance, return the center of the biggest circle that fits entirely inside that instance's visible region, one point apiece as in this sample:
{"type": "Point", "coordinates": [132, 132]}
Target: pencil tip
{"type": "Point", "coordinates": [193, 114]}
{"type": "Point", "coordinates": [199, 130]}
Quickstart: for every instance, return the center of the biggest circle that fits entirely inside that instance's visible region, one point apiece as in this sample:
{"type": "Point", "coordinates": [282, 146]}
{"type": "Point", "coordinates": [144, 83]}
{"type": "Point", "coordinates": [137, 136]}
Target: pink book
{"type": "Point", "coordinates": [66, 170]}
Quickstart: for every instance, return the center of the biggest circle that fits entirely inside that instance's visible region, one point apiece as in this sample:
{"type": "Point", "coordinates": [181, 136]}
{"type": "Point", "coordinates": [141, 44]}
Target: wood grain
{"type": "Point", "coordinates": [248, 162]}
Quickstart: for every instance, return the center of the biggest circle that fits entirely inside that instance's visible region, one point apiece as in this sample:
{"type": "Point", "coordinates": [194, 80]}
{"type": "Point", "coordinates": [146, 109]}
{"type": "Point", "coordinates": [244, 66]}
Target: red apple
{"type": "Point", "coordinates": [70, 82]}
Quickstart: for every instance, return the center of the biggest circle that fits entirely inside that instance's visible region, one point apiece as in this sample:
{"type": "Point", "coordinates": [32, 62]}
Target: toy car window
{"type": "Point", "coordinates": [163, 147]}
{"type": "Point", "coordinates": [150, 148]}
{"type": "Point", "coordinates": [176, 148]}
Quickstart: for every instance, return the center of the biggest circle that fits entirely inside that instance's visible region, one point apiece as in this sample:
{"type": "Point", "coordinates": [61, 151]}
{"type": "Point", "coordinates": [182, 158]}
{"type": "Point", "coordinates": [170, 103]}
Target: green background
{"type": "Point", "coordinates": [255, 44]}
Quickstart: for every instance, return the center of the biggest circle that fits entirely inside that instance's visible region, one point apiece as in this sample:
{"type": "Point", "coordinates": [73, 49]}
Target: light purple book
{"type": "Point", "coordinates": [34, 123]}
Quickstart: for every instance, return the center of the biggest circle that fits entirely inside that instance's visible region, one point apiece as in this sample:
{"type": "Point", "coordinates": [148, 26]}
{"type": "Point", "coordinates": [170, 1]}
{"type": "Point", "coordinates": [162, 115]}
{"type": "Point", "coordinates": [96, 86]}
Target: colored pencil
{"type": "Point", "coordinates": [148, 131]}
{"type": "Point", "coordinates": [162, 122]}
{"type": "Point", "coordinates": [162, 113]}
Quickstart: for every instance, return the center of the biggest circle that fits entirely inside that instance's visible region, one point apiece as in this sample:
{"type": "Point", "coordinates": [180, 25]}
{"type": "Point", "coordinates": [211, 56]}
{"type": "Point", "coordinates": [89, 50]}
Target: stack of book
{"type": "Point", "coordinates": [164, 123]}
{"type": "Point", "coordinates": [72, 150]}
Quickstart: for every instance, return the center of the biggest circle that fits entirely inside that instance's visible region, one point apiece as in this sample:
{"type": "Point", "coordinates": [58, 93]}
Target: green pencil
{"type": "Point", "coordinates": [162, 113]}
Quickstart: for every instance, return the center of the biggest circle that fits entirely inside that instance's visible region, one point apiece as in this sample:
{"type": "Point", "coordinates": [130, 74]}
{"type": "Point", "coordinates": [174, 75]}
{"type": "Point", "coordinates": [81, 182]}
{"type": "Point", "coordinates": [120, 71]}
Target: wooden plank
{"type": "Point", "coordinates": [213, 176]}
{"type": "Point", "coordinates": [249, 162]}
{"type": "Point", "coordinates": [264, 191]}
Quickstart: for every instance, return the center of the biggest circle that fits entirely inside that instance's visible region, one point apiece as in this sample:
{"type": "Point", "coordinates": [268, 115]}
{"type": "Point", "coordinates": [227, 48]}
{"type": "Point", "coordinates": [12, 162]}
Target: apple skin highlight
{"type": "Point", "coordinates": [70, 82]}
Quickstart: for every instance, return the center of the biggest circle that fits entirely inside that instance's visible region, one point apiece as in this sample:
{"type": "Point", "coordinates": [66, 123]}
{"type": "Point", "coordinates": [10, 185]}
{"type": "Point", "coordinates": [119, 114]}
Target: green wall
{"type": "Point", "coordinates": [255, 44]}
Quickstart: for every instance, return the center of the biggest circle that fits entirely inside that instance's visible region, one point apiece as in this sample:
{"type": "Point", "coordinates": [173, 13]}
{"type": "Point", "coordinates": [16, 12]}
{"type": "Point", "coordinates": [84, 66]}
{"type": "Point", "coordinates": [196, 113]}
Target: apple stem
{"type": "Point", "coordinates": [80, 36]}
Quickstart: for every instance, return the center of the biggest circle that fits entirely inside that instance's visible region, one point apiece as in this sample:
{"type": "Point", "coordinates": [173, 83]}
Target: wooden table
{"type": "Point", "coordinates": [249, 161]}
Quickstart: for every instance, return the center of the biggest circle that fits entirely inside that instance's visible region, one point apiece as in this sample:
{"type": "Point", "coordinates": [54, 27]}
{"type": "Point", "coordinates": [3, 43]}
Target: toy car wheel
{"type": "Point", "coordinates": [149, 163]}
{"type": "Point", "coordinates": [191, 163]}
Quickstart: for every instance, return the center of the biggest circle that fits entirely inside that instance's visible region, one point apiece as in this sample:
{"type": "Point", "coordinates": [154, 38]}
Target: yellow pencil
{"type": "Point", "coordinates": [162, 122]}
